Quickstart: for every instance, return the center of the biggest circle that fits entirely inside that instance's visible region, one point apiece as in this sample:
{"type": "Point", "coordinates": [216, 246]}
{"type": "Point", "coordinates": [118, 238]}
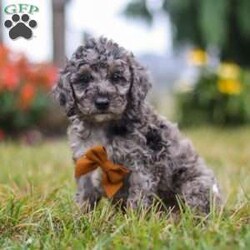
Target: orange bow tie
{"type": "Point", "coordinates": [113, 174]}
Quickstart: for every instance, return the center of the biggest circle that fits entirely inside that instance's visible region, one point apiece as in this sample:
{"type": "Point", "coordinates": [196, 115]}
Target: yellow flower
{"type": "Point", "coordinates": [198, 57]}
{"type": "Point", "coordinates": [229, 71]}
{"type": "Point", "coordinates": [229, 86]}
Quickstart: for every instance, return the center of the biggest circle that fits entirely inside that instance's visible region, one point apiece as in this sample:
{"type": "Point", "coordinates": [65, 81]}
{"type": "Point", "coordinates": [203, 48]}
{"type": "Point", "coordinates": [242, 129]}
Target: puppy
{"type": "Point", "coordinates": [102, 90]}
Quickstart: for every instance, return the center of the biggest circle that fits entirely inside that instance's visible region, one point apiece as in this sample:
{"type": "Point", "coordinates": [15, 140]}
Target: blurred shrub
{"type": "Point", "coordinates": [24, 91]}
{"type": "Point", "coordinates": [202, 23]}
{"type": "Point", "coordinates": [220, 96]}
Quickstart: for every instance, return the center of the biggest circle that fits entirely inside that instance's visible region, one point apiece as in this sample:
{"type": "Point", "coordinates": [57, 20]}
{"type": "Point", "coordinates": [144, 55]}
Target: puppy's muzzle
{"type": "Point", "coordinates": [102, 103]}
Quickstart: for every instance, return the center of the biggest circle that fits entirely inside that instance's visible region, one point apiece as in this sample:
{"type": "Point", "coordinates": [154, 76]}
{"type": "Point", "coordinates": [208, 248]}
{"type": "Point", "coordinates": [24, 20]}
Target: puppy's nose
{"type": "Point", "coordinates": [102, 103]}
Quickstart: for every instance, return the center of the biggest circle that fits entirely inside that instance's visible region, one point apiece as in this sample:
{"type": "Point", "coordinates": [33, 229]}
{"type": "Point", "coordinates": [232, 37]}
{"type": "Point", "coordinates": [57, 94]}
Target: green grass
{"type": "Point", "coordinates": [37, 208]}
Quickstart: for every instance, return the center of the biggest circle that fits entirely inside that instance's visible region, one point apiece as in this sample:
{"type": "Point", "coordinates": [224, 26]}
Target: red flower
{"type": "Point", "coordinates": [52, 75]}
{"type": "Point", "coordinates": [27, 95]}
{"type": "Point", "coordinates": [42, 75]}
{"type": "Point", "coordinates": [4, 54]}
{"type": "Point", "coordinates": [9, 77]}
{"type": "Point", "coordinates": [23, 66]}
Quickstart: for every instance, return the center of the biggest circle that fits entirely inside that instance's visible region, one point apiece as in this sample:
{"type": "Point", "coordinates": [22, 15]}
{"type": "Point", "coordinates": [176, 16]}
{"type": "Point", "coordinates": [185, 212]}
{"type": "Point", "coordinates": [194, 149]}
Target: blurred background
{"type": "Point", "coordinates": [196, 50]}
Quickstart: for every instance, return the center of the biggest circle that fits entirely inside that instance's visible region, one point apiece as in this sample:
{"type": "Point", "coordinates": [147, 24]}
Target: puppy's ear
{"type": "Point", "coordinates": [140, 81]}
{"type": "Point", "coordinates": [62, 94]}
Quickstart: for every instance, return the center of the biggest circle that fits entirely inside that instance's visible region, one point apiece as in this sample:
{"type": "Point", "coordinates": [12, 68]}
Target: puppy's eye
{"type": "Point", "coordinates": [85, 78]}
{"type": "Point", "coordinates": [116, 77]}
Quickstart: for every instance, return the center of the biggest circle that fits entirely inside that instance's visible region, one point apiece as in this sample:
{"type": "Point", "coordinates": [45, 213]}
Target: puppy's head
{"type": "Point", "coordinates": [101, 81]}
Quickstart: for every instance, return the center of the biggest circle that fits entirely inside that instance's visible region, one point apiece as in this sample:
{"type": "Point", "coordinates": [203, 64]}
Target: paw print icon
{"type": "Point", "coordinates": [20, 26]}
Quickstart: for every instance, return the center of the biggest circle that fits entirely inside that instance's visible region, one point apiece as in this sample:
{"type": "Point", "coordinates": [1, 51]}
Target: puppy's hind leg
{"type": "Point", "coordinates": [201, 194]}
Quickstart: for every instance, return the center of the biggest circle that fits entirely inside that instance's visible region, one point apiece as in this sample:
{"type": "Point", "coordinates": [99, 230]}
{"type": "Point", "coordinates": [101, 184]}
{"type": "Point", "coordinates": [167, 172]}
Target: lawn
{"type": "Point", "coordinates": [37, 209]}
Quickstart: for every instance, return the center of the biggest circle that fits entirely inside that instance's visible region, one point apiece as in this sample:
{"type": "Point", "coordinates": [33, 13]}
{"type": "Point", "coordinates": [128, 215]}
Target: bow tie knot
{"type": "Point", "coordinates": [112, 174]}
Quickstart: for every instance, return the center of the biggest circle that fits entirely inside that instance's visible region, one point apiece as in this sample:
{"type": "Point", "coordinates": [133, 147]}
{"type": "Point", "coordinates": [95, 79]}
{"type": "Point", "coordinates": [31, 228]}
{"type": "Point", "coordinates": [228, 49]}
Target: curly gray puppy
{"type": "Point", "coordinates": [102, 89]}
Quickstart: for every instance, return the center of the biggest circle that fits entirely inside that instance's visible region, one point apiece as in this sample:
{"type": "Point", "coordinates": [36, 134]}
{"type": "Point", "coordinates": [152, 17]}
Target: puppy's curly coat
{"type": "Point", "coordinates": [103, 90]}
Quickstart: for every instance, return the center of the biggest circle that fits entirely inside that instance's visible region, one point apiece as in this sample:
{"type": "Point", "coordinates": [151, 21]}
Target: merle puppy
{"type": "Point", "coordinates": [102, 90]}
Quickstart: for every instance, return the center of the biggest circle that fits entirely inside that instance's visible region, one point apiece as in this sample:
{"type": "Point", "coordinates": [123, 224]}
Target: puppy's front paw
{"type": "Point", "coordinates": [132, 204]}
{"type": "Point", "coordinates": [135, 204]}
{"type": "Point", "coordinates": [79, 198]}
{"type": "Point", "coordinates": [85, 203]}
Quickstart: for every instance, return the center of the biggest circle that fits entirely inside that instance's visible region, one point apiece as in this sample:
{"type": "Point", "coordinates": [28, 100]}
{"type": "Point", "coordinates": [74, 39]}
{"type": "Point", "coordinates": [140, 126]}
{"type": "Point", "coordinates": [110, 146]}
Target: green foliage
{"type": "Point", "coordinates": [219, 23]}
{"type": "Point", "coordinates": [37, 210]}
{"type": "Point", "coordinates": [243, 8]}
{"type": "Point", "coordinates": [214, 100]}
{"type": "Point", "coordinates": [181, 13]}
{"type": "Point", "coordinates": [14, 119]}
{"type": "Point", "coordinates": [138, 8]}
{"type": "Point", "coordinates": [213, 21]}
